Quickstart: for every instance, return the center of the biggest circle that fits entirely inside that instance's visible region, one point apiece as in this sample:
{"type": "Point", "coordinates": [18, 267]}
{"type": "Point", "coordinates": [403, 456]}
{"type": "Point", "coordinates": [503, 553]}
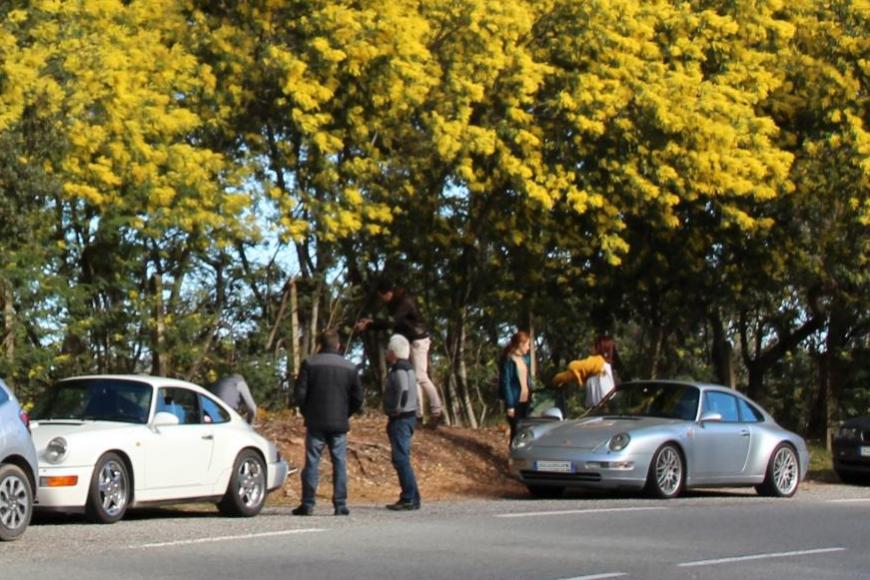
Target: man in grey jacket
{"type": "Point", "coordinates": [234, 391]}
{"type": "Point", "coordinates": [402, 406]}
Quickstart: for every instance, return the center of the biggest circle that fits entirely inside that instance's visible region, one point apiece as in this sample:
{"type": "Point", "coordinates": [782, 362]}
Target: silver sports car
{"type": "Point", "coordinates": [664, 437]}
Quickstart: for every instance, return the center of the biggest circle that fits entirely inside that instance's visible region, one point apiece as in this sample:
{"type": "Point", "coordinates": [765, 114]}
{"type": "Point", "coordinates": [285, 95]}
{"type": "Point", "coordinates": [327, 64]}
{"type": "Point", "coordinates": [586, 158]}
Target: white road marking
{"type": "Point", "coordinates": [589, 511]}
{"type": "Point", "coordinates": [598, 576]}
{"type": "Point", "coordinates": [228, 538]}
{"type": "Point", "coordinates": [760, 557]}
{"type": "Point", "coordinates": [852, 500]}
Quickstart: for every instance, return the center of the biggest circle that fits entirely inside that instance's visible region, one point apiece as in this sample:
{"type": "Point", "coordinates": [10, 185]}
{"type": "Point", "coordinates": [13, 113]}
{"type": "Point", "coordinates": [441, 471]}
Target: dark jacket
{"type": "Point", "coordinates": [407, 319]}
{"type": "Point", "coordinates": [400, 394]}
{"type": "Point", "coordinates": [329, 391]}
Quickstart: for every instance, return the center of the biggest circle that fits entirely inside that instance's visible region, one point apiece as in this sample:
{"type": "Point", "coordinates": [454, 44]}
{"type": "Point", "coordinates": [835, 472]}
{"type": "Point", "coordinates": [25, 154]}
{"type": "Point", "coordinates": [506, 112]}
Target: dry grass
{"type": "Point", "coordinates": [450, 462]}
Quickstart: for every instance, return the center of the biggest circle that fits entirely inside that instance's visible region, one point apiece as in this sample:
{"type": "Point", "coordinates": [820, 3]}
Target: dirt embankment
{"type": "Point", "coordinates": [450, 462]}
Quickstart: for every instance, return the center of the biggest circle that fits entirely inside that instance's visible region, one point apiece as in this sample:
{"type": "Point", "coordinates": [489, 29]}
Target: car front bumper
{"type": "Point", "coordinates": [592, 470]}
{"type": "Point", "coordinates": [851, 456]}
{"type": "Point", "coordinates": [63, 488]}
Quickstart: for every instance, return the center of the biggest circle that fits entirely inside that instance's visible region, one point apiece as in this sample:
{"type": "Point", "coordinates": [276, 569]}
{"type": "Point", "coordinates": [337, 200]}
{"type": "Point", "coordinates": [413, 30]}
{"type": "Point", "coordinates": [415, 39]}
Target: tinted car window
{"type": "Point", "coordinates": [748, 413]}
{"type": "Point", "coordinates": [96, 400]}
{"type": "Point", "coordinates": [671, 401]}
{"type": "Point", "coordinates": [3, 396]}
{"type": "Point", "coordinates": [724, 404]}
{"type": "Point", "coordinates": [212, 412]}
{"type": "Point", "coordinates": [183, 403]}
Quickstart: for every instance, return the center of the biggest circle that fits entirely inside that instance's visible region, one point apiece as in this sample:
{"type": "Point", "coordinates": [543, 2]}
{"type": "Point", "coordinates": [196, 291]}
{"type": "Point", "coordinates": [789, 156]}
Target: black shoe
{"type": "Point", "coordinates": [342, 511]}
{"type": "Point", "coordinates": [403, 506]}
{"type": "Point", "coordinates": [303, 510]}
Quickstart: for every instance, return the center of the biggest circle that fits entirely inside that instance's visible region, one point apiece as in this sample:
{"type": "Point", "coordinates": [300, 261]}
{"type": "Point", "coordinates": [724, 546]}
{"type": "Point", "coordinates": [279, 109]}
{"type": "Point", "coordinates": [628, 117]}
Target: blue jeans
{"type": "Point", "coordinates": [315, 441]}
{"type": "Point", "coordinates": [400, 430]}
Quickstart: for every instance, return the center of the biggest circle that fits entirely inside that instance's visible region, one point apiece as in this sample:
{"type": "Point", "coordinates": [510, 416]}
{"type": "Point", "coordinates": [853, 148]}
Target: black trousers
{"type": "Point", "coordinates": [521, 411]}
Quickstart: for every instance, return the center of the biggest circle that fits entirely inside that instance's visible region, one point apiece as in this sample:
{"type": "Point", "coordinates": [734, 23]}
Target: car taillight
{"type": "Point", "coordinates": [24, 419]}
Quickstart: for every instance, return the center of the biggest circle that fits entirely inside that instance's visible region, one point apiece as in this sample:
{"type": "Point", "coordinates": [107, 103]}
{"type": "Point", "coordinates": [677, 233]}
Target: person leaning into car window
{"type": "Point", "coordinates": [515, 379]}
{"type": "Point", "coordinates": [328, 391]}
{"type": "Point", "coordinates": [234, 391]}
{"type": "Point", "coordinates": [595, 372]}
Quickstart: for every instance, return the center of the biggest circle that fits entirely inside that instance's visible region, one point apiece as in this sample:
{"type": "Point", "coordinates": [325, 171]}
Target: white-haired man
{"type": "Point", "coordinates": [401, 405]}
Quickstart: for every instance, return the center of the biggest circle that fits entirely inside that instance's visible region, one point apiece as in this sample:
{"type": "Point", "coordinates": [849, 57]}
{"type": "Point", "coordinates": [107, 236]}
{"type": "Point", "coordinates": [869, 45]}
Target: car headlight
{"type": "Point", "coordinates": [523, 438]}
{"type": "Point", "coordinates": [56, 450]}
{"type": "Point", "coordinates": [847, 433]}
{"type": "Point", "coordinates": [619, 441]}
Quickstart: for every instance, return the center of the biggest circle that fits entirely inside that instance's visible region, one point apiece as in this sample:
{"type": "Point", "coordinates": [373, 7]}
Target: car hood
{"type": "Point", "coordinates": [589, 433]}
{"type": "Point", "coordinates": [858, 422]}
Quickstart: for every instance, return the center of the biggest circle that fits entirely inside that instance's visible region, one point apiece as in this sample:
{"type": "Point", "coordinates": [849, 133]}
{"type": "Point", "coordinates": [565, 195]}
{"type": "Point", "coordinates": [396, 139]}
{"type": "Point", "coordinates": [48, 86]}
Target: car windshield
{"type": "Point", "coordinates": [669, 401]}
{"type": "Point", "coordinates": [96, 400]}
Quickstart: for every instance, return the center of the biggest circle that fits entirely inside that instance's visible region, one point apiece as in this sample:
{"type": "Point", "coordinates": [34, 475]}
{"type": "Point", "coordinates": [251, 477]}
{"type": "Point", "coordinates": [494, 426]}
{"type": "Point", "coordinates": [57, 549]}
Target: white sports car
{"type": "Point", "coordinates": [109, 442]}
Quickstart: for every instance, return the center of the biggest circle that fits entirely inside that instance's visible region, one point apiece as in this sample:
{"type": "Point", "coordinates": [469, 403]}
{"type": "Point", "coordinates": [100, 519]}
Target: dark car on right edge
{"type": "Point", "coordinates": [851, 450]}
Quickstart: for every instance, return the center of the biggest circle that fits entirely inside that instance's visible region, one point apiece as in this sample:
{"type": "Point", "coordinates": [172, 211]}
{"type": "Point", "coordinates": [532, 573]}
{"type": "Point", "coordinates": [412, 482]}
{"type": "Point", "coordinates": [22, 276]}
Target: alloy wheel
{"type": "Point", "coordinates": [252, 482]}
{"type": "Point", "coordinates": [113, 488]}
{"type": "Point", "coordinates": [785, 470]}
{"type": "Point", "coordinates": [669, 471]}
{"type": "Point", "coordinates": [14, 497]}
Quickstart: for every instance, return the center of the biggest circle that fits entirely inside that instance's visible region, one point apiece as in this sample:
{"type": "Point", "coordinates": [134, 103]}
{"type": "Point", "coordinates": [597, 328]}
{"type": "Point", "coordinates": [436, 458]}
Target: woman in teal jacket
{"type": "Point", "coordinates": [515, 379]}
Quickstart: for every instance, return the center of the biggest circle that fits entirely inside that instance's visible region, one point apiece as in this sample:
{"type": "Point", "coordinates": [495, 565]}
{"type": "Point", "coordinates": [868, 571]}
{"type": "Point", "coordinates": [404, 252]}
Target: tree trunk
{"type": "Point", "coordinates": [452, 411]}
{"type": "Point", "coordinates": [818, 413]}
{"type": "Point", "coordinates": [655, 350]}
{"type": "Point", "coordinates": [759, 360]}
{"type": "Point", "coordinates": [8, 322]}
{"type": "Point", "coordinates": [461, 370]}
{"type": "Point", "coordinates": [158, 341]}
{"type": "Point", "coordinates": [295, 347]}
{"type": "Point", "coordinates": [721, 353]}
{"type": "Point", "coordinates": [314, 320]}
{"type": "Point", "coordinates": [755, 390]}
{"type": "Point", "coordinates": [835, 343]}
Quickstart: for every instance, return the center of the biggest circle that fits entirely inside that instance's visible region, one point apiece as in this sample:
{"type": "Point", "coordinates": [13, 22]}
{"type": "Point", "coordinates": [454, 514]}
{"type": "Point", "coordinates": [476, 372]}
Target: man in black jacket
{"type": "Point", "coordinates": [328, 391]}
{"type": "Point", "coordinates": [408, 322]}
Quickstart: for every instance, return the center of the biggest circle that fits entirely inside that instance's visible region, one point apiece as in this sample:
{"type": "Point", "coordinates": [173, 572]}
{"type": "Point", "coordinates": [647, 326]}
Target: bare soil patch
{"type": "Point", "coordinates": [450, 462]}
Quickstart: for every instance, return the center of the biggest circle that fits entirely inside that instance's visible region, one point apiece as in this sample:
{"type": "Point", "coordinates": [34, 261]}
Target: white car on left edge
{"type": "Point", "coordinates": [109, 442]}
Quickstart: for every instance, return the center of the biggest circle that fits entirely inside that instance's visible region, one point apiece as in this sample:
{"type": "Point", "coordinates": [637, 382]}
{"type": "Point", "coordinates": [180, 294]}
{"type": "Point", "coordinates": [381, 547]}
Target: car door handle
{"type": "Point", "coordinates": [744, 433]}
{"type": "Point", "coordinates": [208, 437]}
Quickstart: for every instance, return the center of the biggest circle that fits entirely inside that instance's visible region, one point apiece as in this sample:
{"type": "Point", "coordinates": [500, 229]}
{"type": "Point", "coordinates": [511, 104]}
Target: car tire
{"type": "Point", "coordinates": [783, 473]}
{"type": "Point", "coordinates": [667, 473]}
{"type": "Point", "coordinates": [109, 493]}
{"type": "Point", "coordinates": [16, 502]}
{"type": "Point", "coordinates": [546, 491]}
{"type": "Point", "coordinates": [246, 492]}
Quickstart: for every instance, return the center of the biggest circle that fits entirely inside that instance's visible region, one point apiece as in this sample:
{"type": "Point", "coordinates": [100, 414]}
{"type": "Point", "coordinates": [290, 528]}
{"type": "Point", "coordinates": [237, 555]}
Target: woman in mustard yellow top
{"type": "Point", "coordinates": [595, 371]}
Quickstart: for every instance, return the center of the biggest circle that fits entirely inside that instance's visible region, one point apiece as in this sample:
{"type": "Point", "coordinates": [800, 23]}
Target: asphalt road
{"type": "Point", "coordinates": [821, 533]}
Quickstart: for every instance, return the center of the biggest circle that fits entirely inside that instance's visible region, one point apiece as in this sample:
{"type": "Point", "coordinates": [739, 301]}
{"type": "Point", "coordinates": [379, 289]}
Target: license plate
{"type": "Point", "coordinates": [865, 451]}
{"type": "Point", "coordinates": [555, 466]}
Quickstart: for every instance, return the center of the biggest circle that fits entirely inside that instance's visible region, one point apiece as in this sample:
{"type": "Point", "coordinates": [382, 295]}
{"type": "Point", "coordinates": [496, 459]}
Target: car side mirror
{"type": "Point", "coordinates": [554, 413]}
{"type": "Point", "coordinates": [711, 417]}
{"type": "Point", "coordinates": [164, 419]}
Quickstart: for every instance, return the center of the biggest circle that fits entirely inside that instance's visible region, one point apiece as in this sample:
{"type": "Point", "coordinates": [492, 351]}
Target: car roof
{"type": "Point", "coordinates": [683, 383]}
{"type": "Point", "coordinates": [703, 387]}
{"type": "Point", "coordinates": [147, 379]}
